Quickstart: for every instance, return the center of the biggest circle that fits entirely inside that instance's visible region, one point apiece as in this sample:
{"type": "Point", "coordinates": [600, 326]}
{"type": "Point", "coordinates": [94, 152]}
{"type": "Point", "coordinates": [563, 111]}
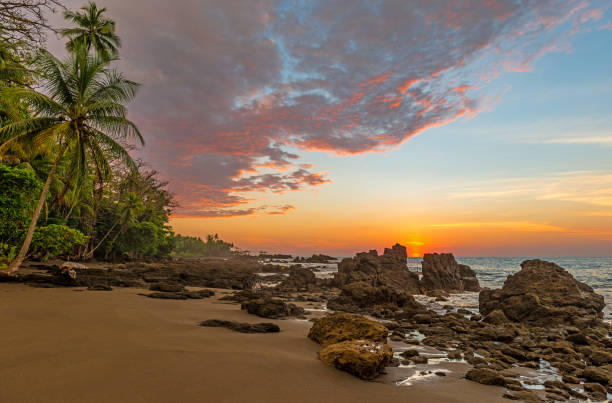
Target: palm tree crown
{"type": "Point", "coordinates": [81, 113]}
{"type": "Point", "coordinates": [93, 29]}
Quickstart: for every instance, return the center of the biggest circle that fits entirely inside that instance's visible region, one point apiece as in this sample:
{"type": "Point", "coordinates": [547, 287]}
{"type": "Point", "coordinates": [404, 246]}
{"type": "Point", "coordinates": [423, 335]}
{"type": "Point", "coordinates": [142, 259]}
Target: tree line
{"type": "Point", "coordinates": [68, 184]}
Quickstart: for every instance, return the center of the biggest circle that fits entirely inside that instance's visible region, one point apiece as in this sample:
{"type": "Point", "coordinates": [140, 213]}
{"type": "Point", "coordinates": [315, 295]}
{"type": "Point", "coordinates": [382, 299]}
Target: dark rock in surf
{"type": "Point", "coordinates": [442, 272]}
{"type": "Point", "coordinates": [544, 294]}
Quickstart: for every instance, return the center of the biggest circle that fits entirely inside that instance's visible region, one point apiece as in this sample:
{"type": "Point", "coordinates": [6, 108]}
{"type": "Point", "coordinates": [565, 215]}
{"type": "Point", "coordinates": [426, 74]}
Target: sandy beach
{"type": "Point", "coordinates": [69, 345]}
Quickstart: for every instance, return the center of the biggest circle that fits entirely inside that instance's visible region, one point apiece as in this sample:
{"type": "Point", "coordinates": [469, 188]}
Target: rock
{"type": "Point", "coordinates": [485, 376]}
{"type": "Point", "coordinates": [167, 287]}
{"type": "Point", "coordinates": [199, 294]}
{"type": "Point", "coordinates": [338, 327]}
{"type": "Point", "coordinates": [599, 375]}
{"type": "Point", "coordinates": [315, 259]}
{"type": "Point", "coordinates": [544, 294]}
{"type": "Point", "coordinates": [442, 272]}
{"type": "Point", "coordinates": [100, 287]}
{"type": "Point", "coordinates": [397, 253]}
{"type": "Point", "coordinates": [409, 353]}
{"type": "Point", "coordinates": [440, 373]}
{"type": "Point", "coordinates": [299, 279]}
{"type": "Point", "coordinates": [362, 358]}
{"type": "Point", "coordinates": [600, 357]}
{"type": "Point", "coordinates": [242, 327]}
{"type": "Point", "coordinates": [596, 391]}
{"type": "Point", "coordinates": [167, 295]}
{"type": "Point", "coordinates": [523, 396]}
{"type": "Point", "coordinates": [271, 308]}
{"type": "Point", "coordinates": [495, 317]}
{"type": "Point", "coordinates": [419, 359]}
{"type": "Point", "coordinates": [388, 272]}
{"type": "Point", "coordinates": [363, 296]}
{"type": "Point", "coordinates": [181, 294]}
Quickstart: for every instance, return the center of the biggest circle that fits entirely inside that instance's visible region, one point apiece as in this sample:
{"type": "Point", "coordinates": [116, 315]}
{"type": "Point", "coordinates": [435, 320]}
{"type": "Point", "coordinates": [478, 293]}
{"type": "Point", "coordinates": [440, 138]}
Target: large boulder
{"type": "Point", "coordinates": [442, 272]}
{"type": "Point", "coordinates": [544, 294]}
{"type": "Point", "coordinates": [271, 308]}
{"type": "Point", "coordinates": [300, 279]}
{"type": "Point", "coordinates": [362, 358]}
{"type": "Point", "coordinates": [369, 281]}
{"type": "Point", "coordinates": [338, 327]}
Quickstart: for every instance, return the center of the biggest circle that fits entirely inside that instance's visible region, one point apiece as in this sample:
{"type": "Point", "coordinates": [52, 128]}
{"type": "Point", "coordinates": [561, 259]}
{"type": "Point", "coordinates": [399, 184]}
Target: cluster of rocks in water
{"type": "Point", "coordinates": [382, 285]}
{"type": "Point", "coordinates": [541, 318]}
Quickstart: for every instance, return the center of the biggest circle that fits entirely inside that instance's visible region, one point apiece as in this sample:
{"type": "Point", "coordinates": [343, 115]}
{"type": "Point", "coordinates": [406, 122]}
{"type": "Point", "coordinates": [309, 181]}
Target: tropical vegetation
{"type": "Point", "coordinates": [69, 186]}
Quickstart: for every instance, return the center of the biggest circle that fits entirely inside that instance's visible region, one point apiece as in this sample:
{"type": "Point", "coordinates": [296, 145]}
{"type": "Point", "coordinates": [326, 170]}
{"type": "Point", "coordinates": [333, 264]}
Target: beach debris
{"type": "Point", "coordinates": [264, 327]}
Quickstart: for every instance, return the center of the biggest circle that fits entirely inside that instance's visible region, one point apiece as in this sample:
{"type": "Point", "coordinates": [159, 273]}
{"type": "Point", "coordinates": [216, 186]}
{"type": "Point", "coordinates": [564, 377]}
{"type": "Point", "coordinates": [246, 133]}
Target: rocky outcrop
{"type": "Point", "coordinates": [370, 282]}
{"type": "Point", "coordinates": [264, 327]}
{"type": "Point", "coordinates": [442, 272]}
{"type": "Point", "coordinates": [272, 308]}
{"type": "Point", "coordinates": [320, 258]}
{"type": "Point", "coordinates": [338, 327]}
{"type": "Point", "coordinates": [352, 343]}
{"type": "Point", "coordinates": [362, 358]}
{"type": "Point", "coordinates": [300, 279]}
{"type": "Point", "coordinates": [544, 294]}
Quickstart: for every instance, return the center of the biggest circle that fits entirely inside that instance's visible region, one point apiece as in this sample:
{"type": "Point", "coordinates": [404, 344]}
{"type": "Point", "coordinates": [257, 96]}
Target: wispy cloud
{"type": "Point", "coordinates": [525, 226]}
{"type": "Point", "coordinates": [229, 87]}
{"type": "Point", "coordinates": [585, 187]}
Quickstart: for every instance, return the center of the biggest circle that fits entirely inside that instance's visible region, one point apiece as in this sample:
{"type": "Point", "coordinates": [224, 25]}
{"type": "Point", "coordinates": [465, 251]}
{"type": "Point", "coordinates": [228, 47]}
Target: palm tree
{"type": "Point", "coordinates": [92, 29]}
{"type": "Point", "coordinates": [81, 112]}
{"type": "Point", "coordinates": [129, 210]}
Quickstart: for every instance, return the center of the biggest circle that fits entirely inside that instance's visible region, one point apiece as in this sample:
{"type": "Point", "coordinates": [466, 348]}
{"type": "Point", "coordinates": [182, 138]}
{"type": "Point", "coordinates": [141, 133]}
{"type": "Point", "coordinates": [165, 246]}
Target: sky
{"type": "Point", "coordinates": [482, 128]}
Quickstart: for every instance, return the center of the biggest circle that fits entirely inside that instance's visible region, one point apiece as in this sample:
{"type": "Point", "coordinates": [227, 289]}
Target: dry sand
{"type": "Point", "coordinates": [71, 345]}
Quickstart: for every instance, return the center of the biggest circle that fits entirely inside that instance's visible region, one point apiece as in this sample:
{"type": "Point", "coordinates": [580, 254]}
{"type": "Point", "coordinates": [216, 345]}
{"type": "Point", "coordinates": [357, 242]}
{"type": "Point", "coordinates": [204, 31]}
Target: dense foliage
{"type": "Point", "coordinates": [19, 188]}
{"type": "Point", "coordinates": [189, 246]}
{"type": "Point", "coordinates": [56, 240]}
{"type": "Point", "coordinates": [69, 187]}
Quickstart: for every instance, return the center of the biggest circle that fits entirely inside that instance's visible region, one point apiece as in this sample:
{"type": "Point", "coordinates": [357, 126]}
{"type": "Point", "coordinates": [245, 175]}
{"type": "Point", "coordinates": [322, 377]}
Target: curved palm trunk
{"type": "Point", "coordinates": [89, 254]}
{"type": "Point", "coordinates": [14, 266]}
{"type": "Point", "coordinates": [112, 243]}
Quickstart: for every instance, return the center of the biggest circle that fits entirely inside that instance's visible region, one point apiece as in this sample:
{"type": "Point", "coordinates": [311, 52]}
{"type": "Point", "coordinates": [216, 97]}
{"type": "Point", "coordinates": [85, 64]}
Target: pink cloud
{"type": "Point", "coordinates": [234, 94]}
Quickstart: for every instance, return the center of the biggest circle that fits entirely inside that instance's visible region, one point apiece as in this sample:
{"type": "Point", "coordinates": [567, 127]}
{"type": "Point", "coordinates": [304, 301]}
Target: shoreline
{"type": "Point", "coordinates": [69, 344]}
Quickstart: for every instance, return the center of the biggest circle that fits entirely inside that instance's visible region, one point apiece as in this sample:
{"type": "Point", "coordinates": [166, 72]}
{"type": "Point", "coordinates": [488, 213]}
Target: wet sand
{"type": "Point", "coordinates": [72, 345]}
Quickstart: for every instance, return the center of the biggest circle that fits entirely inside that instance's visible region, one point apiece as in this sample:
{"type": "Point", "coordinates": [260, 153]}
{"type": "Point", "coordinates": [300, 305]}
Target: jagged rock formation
{"type": "Point", "coordinates": [544, 294]}
{"type": "Point", "coordinates": [372, 282]}
{"type": "Point", "coordinates": [442, 272]}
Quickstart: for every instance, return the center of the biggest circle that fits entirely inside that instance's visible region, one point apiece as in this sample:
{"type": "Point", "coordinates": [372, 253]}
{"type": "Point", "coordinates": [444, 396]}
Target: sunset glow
{"type": "Point", "coordinates": [480, 129]}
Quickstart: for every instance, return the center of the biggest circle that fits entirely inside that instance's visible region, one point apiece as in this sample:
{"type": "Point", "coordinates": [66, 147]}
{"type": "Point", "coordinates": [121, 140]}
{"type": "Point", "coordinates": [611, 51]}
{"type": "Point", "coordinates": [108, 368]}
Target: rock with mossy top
{"type": "Point", "coordinates": [338, 327]}
{"type": "Point", "coordinates": [363, 358]}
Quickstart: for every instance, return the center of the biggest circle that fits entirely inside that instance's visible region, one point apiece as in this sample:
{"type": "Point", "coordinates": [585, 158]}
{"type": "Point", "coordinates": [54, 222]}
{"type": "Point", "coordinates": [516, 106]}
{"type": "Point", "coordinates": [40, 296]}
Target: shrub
{"type": "Point", "coordinates": [56, 240]}
{"type": "Point", "coordinates": [19, 190]}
